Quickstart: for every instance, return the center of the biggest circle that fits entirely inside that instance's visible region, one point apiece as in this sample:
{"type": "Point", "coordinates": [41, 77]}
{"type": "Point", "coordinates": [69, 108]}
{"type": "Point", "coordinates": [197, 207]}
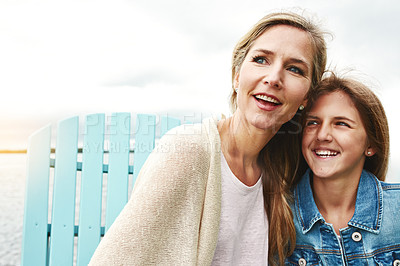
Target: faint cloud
{"type": "Point", "coordinates": [145, 78]}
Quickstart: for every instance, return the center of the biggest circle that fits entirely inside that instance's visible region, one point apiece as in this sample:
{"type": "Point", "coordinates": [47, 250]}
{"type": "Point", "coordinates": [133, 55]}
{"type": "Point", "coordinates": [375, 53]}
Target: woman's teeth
{"type": "Point", "coordinates": [325, 153]}
{"type": "Point", "coordinates": [267, 99]}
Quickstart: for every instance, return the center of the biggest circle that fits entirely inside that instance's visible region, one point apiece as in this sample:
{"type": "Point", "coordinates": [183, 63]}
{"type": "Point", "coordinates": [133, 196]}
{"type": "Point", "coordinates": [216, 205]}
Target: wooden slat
{"type": "Point", "coordinates": [168, 123]}
{"type": "Point", "coordinates": [118, 166]}
{"type": "Point", "coordinates": [62, 229]}
{"type": "Point", "coordinates": [91, 188]}
{"type": "Point", "coordinates": [144, 141]}
{"type": "Point", "coordinates": [34, 243]}
{"type": "Point", "coordinates": [63, 210]}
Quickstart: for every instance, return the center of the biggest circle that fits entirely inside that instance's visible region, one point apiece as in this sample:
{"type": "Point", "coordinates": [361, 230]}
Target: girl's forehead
{"type": "Point", "coordinates": [337, 103]}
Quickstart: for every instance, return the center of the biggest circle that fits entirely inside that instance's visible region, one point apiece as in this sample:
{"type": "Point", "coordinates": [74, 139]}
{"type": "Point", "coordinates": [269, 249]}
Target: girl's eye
{"type": "Point", "coordinates": [340, 123]}
{"type": "Point", "coordinates": [311, 123]}
{"type": "Point", "coordinates": [296, 70]}
{"type": "Point", "coordinates": [260, 59]}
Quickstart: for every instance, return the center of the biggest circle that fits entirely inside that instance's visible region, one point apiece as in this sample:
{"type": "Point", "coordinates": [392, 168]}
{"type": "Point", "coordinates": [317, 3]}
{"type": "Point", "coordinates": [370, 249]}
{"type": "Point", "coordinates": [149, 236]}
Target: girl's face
{"type": "Point", "coordinates": [274, 77]}
{"type": "Point", "coordinates": [334, 138]}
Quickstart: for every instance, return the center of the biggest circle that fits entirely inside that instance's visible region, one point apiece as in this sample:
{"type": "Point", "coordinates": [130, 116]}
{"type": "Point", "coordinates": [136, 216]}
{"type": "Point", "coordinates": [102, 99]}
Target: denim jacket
{"type": "Point", "coordinates": [371, 238]}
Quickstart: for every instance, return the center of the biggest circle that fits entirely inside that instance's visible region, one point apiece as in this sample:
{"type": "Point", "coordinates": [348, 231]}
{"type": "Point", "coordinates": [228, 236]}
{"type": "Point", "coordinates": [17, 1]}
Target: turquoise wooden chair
{"type": "Point", "coordinates": [61, 240]}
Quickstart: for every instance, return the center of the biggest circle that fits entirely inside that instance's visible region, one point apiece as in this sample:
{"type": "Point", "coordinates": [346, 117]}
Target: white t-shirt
{"type": "Point", "coordinates": [243, 230]}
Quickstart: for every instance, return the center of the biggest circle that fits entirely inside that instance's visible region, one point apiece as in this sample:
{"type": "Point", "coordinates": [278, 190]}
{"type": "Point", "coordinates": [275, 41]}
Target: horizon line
{"type": "Point", "coordinates": [14, 151]}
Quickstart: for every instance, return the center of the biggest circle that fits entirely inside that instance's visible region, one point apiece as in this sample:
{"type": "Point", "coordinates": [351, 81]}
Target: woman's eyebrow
{"type": "Point", "coordinates": [291, 59]}
{"type": "Point", "coordinates": [265, 51]}
{"type": "Point", "coordinates": [299, 61]}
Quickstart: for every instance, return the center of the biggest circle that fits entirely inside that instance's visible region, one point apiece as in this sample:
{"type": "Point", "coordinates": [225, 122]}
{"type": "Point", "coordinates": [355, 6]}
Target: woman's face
{"type": "Point", "coordinates": [274, 77]}
{"type": "Point", "coordinates": [334, 138]}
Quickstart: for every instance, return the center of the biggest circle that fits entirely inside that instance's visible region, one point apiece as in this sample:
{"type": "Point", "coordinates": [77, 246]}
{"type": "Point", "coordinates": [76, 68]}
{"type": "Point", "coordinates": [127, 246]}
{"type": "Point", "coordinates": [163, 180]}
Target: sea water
{"type": "Point", "coordinates": [12, 188]}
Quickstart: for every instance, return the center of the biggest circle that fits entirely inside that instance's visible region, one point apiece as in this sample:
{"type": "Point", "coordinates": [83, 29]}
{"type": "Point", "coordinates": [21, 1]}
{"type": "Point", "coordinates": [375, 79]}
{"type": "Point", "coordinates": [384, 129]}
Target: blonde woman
{"type": "Point", "coordinates": [216, 193]}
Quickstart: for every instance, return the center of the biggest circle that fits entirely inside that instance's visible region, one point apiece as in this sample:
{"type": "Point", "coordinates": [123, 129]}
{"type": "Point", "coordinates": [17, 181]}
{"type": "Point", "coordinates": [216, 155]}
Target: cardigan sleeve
{"type": "Point", "coordinates": [160, 225]}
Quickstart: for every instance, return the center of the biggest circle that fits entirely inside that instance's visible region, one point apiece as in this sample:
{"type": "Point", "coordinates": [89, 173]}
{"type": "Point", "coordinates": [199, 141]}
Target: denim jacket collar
{"type": "Point", "coordinates": [368, 210]}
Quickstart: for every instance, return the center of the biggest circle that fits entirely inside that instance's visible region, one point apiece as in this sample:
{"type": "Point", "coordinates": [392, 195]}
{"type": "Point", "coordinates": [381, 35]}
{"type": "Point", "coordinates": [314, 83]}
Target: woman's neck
{"type": "Point", "coordinates": [241, 144]}
{"type": "Point", "coordinates": [336, 199]}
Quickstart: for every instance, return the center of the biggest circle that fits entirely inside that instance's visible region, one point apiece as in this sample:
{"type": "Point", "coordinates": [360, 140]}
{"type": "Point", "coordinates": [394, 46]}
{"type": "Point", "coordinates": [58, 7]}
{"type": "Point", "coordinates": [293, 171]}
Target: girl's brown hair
{"type": "Point", "coordinates": [372, 115]}
{"type": "Point", "coordinates": [279, 158]}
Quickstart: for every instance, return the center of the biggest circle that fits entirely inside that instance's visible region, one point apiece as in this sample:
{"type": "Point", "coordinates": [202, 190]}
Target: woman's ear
{"type": "Point", "coordinates": [304, 103]}
{"type": "Point", "coordinates": [236, 80]}
{"type": "Point", "coordinates": [369, 152]}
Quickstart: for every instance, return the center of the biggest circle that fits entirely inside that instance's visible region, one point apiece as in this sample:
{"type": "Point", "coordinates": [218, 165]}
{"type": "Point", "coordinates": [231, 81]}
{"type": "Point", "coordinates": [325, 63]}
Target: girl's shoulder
{"type": "Point", "coordinates": [391, 193]}
{"type": "Point", "coordinates": [385, 186]}
{"type": "Point", "coordinates": [390, 186]}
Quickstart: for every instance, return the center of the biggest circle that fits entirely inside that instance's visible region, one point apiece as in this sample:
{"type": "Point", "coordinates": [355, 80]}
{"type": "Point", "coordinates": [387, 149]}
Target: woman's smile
{"type": "Point", "coordinates": [267, 102]}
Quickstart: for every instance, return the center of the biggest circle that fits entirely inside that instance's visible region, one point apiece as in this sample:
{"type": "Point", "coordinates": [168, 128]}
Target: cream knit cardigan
{"type": "Point", "coordinates": [172, 217]}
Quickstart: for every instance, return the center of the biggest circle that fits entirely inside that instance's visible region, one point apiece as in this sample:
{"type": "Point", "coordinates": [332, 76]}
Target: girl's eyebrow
{"type": "Point", "coordinates": [335, 118]}
{"type": "Point", "coordinates": [344, 118]}
{"type": "Point", "coordinates": [311, 117]}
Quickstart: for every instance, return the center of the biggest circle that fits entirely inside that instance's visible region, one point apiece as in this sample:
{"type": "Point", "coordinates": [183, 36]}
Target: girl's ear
{"type": "Point", "coordinates": [369, 152]}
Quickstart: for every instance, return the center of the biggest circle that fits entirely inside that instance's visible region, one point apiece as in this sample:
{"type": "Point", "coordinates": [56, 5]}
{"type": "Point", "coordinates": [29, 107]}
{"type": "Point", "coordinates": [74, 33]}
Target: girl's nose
{"type": "Point", "coordinates": [324, 133]}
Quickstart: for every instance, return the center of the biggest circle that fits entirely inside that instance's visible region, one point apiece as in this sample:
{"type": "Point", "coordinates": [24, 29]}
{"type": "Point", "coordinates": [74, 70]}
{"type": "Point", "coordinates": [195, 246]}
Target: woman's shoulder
{"type": "Point", "coordinates": [185, 151]}
{"type": "Point", "coordinates": [190, 137]}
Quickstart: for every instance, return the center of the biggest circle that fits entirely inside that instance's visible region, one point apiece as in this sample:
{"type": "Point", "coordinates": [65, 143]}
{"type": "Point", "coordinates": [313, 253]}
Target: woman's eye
{"type": "Point", "coordinates": [296, 70]}
{"type": "Point", "coordinates": [260, 60]}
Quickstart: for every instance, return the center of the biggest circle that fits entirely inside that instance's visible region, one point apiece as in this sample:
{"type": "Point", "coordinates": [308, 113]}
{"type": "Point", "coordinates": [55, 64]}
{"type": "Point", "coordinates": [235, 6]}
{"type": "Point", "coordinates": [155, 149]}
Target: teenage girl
{"type": "Point", "coordinates": [344, 213]}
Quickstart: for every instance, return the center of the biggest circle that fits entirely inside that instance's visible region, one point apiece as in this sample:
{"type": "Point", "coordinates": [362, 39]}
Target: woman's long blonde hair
{"type": "Point", "coordinates": [279, 158]}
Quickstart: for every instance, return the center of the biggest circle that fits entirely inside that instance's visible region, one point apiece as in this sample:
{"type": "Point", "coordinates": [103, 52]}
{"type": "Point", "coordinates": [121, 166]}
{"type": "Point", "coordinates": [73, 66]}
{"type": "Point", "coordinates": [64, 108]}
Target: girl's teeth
{"type": "Point", "coordinates": [267, 99]}
{"type": "Point", "coordinates": [326, 153]}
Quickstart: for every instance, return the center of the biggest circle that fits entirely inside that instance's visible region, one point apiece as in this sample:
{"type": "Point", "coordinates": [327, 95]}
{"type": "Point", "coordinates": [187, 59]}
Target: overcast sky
{"type": "Point", "coordinates": [62, 58]}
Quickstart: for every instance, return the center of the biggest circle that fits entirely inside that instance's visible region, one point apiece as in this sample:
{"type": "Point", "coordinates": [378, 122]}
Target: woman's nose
{"type": "Point", "coordinates": [273, 76]}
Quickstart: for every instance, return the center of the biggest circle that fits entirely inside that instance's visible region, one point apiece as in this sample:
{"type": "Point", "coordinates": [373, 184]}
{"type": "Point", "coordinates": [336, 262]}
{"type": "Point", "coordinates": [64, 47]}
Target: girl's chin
{"type": "Point", "coordinates": [322, 174]}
